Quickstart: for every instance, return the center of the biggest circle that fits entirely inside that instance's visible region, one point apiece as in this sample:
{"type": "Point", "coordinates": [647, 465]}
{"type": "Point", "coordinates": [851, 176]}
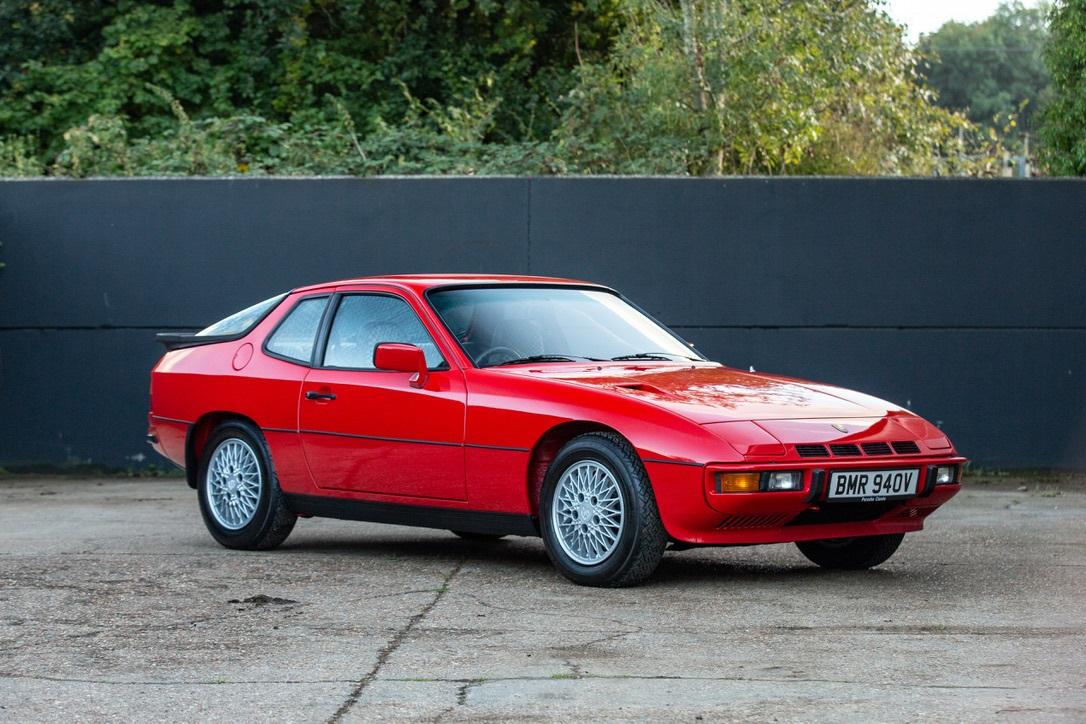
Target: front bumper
{"type": "Point", "coordinates": [691, 515]}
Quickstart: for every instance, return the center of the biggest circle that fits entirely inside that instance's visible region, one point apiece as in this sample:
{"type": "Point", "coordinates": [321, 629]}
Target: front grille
{"type": "Point", "coordinates": [876, 448]}
{"type": "Point", "coordinates": [843, 513]}
{"type": "Point", "coordinates": [765, 520]}
{"type": "Point", "coordinates": [850, 450]}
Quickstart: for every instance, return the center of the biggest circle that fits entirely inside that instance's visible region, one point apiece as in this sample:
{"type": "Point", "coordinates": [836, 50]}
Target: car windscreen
{"type": "Point", "coordinates": [506, 325]}
{"type": "Point", "coordinates": [241, 322]}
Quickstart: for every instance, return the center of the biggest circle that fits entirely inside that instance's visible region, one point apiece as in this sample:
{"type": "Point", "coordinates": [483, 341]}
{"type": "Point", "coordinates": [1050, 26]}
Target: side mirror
{"type": "Point", "coordinates": [396, 357]}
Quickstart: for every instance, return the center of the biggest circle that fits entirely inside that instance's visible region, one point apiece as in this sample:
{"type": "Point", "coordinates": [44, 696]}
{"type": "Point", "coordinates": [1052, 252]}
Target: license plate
{"type": "Point", "coordinates": [871, 486]}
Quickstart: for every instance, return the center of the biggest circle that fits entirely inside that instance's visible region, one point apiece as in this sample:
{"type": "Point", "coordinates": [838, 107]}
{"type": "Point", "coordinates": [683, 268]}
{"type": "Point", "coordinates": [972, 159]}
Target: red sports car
{"type": "Point", "coordinates": [496, 405]}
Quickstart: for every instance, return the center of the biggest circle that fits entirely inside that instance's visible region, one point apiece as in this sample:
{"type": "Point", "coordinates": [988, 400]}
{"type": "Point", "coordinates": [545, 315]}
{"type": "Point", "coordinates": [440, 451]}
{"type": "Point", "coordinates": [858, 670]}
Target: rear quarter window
{"type": "Point", "coordinates": [297, 333]}
{"type": "Point", "coordinates": [242, 322]}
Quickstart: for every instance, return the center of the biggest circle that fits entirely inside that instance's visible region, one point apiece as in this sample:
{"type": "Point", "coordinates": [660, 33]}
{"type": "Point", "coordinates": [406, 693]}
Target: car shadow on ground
{"type": "Point", "coordinates": [523, 551]}
{"type": "Point", "coordinates": [528, 554]}
{"type": "Point", "coordinates": [675, 568]}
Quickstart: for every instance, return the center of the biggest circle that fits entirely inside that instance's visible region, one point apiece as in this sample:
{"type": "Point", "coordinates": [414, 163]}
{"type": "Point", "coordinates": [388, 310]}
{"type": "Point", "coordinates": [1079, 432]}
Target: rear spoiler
{"type": "Point", "coordinates": [181, 340]}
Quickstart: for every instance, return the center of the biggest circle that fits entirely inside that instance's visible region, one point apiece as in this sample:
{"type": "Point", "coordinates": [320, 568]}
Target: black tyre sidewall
{"type": "Point", "coordinates": [853, 555]}
{"type": "Point", "coordinates": [250, 535]}
{"type": "Point", "coordinates": [601, 451]}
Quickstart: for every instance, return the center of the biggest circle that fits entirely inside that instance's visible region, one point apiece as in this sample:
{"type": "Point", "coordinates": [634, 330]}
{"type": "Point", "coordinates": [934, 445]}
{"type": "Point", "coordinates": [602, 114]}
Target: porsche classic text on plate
{"type": "Point", "coordinates": [493, 405]}
{"type": "Point", "coordinates": [872, 485]}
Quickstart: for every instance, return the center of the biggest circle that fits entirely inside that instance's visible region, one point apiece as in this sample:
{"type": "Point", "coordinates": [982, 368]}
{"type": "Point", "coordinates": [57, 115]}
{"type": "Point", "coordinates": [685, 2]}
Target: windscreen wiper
{"type": "Point", "coordinates": [667, 356]}
{"type": "Point", "coordinates": [545, 358]}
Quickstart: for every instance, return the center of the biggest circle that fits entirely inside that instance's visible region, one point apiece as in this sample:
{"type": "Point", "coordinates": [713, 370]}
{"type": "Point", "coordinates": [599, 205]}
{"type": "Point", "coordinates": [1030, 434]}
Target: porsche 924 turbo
{"type": "Point", "coordinates": [495, 405]}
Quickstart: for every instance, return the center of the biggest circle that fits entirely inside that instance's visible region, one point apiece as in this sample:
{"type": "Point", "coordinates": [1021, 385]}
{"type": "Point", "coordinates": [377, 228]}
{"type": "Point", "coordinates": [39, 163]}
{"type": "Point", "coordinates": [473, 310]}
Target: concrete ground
{"type": "Point", "coordinates": [116, 604]}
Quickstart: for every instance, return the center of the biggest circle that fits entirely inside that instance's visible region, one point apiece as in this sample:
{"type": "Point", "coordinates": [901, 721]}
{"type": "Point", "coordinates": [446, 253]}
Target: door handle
{"type": "Point", "coordinates": [314, 395]}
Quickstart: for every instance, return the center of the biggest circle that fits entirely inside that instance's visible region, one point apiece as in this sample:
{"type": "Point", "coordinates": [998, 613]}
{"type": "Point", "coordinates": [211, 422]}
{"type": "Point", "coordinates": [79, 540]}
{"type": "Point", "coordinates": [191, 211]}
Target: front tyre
{"type": "Point", "coordinates": [598, 514]}
{"type": "Point", "coordinates": [851, 554]}
{"type": "Point", "coordinates": [240, 499]}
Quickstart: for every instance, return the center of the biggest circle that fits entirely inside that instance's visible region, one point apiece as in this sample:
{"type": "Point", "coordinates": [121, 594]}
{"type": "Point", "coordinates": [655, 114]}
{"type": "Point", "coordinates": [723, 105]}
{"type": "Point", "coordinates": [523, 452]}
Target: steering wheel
{"type": "Point", "coordinates": [485, 356]}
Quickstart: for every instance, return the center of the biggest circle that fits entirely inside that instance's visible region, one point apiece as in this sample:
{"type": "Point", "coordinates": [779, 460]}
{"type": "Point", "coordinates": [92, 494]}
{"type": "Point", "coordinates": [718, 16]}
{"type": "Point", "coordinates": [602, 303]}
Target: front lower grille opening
{"type": "Point", "coordinates": [876, 448]}
{"type": "Point", "coordinates": [905, 447]}
{"type": "Point", "coordinates": [845, 450]}
{"type": "Point", "coordinates": [762, 520]}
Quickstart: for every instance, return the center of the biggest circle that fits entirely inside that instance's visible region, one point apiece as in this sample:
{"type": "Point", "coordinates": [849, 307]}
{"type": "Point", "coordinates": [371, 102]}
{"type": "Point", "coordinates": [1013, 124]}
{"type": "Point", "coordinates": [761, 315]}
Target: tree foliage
{"type": "Point", "coordinates": [64, 60]}
{"type": "Point", "coordinates": [759, 86]}
{"type": "Point", "coordinates": [468, 86]}
{"type": "Point", "coordinates": [991, 70]}
{"type": "Point", "coordinates": [1064, 130]}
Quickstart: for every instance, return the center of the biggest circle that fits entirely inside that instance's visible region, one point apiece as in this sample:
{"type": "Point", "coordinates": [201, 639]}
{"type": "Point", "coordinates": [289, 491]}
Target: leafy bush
{"type": "Point", "coordinates": [761, 87]}
{"type": "Point", "coordinates": [1064, 130]}
{"type": "Point", "coordinates": [18, 157]}
{"type": "Point", "coordinates": [366, 87]}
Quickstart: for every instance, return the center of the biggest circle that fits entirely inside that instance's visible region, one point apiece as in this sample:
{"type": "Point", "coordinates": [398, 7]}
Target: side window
{"type": "Point", "coordinates": [296, 334]}
{"type": "Point", "coordinates": [364, 321]}
{"type": "Point", "coordinates": [241, 322]}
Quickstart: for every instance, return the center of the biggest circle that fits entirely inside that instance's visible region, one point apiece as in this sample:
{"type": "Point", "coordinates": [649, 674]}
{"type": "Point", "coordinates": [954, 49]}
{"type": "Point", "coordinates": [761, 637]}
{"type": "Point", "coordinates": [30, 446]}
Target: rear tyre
{"type": "Point", "coordinates": [851, 554]}
{"type": "Point", "coordinates": [598, 514]}
{"type": "Point", "coordinates": [477, 537]}
{"type": "Point", "coordinates": [239, 493]}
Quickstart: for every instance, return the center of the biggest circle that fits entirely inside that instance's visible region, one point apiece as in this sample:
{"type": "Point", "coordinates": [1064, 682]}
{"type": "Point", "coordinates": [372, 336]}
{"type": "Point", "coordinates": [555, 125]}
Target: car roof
{"type": "Point", "coordinates": [421, 282]}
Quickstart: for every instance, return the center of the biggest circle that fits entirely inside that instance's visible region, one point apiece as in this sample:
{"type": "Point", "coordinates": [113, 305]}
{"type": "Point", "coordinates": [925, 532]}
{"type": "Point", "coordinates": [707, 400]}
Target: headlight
{"type": "Point", "coordinates": [946, 474]}
{"type": "Point", "coordinates": [783, 480]}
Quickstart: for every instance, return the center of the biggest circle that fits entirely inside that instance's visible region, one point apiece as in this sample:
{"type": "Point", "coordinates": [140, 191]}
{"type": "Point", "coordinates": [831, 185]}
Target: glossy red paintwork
{"type": "Point", "coordinates": [480, 439]}
{"type": "Point", "coordinates": [378, 405]}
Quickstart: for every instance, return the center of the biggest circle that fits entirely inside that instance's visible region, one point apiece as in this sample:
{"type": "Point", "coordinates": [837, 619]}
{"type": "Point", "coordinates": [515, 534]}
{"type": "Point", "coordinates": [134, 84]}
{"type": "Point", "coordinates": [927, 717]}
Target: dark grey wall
{"type": "Point", "coordinates": [963, 300]}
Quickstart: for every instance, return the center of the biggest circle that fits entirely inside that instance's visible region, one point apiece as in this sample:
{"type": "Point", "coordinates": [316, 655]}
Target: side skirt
{"type": "Point", "coordinates": [469, 521]}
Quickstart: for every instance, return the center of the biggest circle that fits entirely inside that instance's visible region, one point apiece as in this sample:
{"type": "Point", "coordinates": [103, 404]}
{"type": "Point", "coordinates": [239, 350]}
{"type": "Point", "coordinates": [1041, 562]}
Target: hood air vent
{"type": "Point", "coordinates": [848, 450]}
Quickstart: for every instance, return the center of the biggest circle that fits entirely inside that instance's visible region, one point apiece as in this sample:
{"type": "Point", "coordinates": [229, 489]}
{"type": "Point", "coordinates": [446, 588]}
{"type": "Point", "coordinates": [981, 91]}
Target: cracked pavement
{"type": "Point", "coordinates": [116, 604]}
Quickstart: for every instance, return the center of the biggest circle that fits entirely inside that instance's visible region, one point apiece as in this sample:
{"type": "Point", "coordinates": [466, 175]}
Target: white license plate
{"type": "Point", "coordinates": [872, 485]}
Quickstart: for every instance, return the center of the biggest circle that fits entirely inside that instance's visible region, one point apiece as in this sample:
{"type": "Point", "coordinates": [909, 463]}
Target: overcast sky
{"type": "Point", "coordinates": [925, 16]}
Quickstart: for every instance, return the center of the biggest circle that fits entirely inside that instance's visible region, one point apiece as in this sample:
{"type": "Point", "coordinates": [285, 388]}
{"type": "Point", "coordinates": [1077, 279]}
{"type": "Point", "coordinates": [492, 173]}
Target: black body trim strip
{"type": "Point", "coordinates": [400, 439]}
{"type": "Point", "coordinates": [818, 480]}
{"type": "Point", "coordinates": [382, 439]}
{"type": "Point", "coordinates": [184, 340]}
{"type": "Point", "coordinates": [171, 419]}
{"type": "Point", "coordinates": [497, 447]}
{"type": "Point", "coordinates": [673, 462]}
{"type": "Point", "coordinates": [422, 516]}
{"type": "Point", "coordinates": [929, 481]}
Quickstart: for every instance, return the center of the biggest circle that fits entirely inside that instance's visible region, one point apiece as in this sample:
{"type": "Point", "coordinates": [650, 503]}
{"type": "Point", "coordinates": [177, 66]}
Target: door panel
{"type": "Point", "coordinates": [369, 430]}
{"type": "Point", "coordinates": [380, 435]}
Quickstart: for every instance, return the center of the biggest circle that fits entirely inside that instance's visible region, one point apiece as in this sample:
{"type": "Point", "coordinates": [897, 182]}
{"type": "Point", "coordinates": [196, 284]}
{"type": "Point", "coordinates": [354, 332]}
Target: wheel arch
{"type": "Point", "coordinates": [547, 447]}
{"type": "Point", "coordinates": [198, 435]}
